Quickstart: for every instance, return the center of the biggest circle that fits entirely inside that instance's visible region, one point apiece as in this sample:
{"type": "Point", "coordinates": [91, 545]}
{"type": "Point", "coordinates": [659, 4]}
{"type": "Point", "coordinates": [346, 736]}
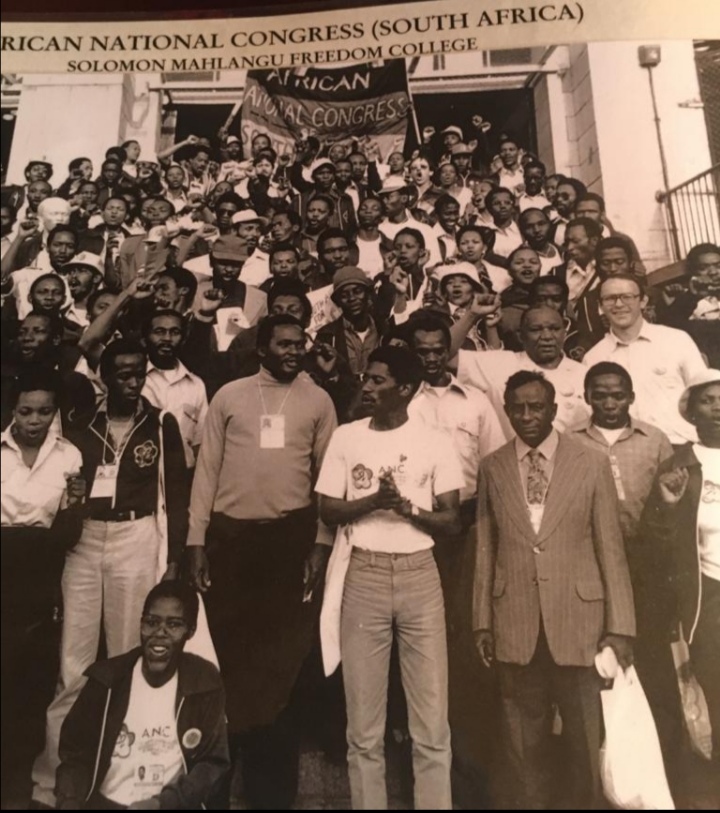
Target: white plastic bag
{"type": "Point", "coordinates": [694, 705]}
{"type": "Point", "coordinates": [631, 764]}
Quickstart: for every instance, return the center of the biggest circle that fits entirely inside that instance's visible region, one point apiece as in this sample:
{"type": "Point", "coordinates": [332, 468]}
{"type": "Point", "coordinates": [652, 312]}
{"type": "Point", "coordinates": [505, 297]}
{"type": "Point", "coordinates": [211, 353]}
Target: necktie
{"type": "Point", "coordinates": [537, 481]}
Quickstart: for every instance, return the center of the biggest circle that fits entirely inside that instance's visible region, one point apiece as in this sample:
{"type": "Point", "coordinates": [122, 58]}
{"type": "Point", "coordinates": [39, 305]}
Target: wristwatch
{"type": "Point", "coordinates": [414, 511]}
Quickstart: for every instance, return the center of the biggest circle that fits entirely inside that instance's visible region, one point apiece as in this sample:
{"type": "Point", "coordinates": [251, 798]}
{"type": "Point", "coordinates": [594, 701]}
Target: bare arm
{"type": "Point", "coordinates": [163, 155]}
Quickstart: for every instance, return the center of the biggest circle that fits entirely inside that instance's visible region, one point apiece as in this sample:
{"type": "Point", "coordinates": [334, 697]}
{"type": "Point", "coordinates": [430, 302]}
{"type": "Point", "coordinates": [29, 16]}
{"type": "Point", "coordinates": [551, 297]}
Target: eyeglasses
{"type": "Point", "coordinates": [154, 622]}
{"type": "Point", "coordinates": [623, 299]}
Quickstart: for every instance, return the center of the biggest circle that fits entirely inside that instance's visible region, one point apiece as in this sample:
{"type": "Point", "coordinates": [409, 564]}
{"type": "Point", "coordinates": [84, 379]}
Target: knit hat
{"type": "Point", "coordinates": [349, 275]}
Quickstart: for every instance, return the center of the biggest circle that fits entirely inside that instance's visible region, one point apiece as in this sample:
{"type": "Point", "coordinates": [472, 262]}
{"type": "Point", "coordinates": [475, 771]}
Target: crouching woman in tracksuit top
{"type": "Point", "coordinates": [147, 731]}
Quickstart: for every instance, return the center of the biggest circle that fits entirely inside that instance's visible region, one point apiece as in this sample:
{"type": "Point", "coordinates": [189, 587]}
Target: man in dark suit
{"type": "Point", "coordinates": [551, 588]}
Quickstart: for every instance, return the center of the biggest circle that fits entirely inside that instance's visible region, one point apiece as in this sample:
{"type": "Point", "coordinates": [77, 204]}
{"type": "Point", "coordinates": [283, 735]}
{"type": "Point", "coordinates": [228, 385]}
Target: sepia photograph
{"type": "Point", "coordinates": [361, 423]}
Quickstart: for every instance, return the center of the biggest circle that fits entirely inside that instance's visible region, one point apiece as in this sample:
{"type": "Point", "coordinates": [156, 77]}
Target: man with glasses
{"type": "Point", "coordinates": [161, 714]}
{"type": "Point", "coordinates": [661, 360]}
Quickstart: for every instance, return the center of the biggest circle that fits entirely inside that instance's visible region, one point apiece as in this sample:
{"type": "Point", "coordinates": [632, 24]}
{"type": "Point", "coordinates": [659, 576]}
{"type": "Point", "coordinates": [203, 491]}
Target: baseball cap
{"type": "Point", "coordinates": [319, 164]}
{"type": "Point", "coordinates": [709, 376]}
{"type": "Point", "coordinates": [229, 248]}
{"type": "Point", "coordinates": [86, 259]}
{"type": "Point", "coordinates": [232, 140]}
{"type": "Point", "coordinates": [460, 149]}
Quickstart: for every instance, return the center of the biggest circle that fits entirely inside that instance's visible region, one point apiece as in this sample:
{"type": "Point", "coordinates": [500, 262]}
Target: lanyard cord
{"type": "Point", "coordinates": [282, 405]}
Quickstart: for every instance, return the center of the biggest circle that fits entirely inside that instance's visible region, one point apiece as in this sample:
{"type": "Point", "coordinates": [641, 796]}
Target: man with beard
{"type": "Point", "coordinates": [568, 193]}
{"type": "Point", "coordinates": [316, 221]}
{"type": "Point", "coordinates": [134, 462]}
{"type": "Point", "coordinates": [542, 331]}
{"type": "Point", "coordinates": [535, 229]}
{"type": "Point", "coordinates": [252, 528]}
{"type": "Point", "coordinates": [372, 244]}
{"type": "Point", "coordinates": [84, 275]}
{"type": "Point", "coordinates": [155, 699]}
{"type": "Point", "coordinates": [169, 385]}
{"type": "Point", "coordinates": [334, 252]}
{"type": "Point", "coordinates": [250, 227]}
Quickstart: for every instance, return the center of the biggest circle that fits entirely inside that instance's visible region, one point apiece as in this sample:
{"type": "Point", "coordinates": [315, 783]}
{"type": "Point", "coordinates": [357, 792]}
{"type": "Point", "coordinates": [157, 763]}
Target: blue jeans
{"type": "Point", "coordinates": [386, 595]}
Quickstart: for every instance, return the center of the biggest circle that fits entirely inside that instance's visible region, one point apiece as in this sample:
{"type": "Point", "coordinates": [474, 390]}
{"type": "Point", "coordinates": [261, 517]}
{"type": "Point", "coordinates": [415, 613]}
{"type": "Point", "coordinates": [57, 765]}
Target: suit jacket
{"type": "Point", "coordinates": [572, 574]}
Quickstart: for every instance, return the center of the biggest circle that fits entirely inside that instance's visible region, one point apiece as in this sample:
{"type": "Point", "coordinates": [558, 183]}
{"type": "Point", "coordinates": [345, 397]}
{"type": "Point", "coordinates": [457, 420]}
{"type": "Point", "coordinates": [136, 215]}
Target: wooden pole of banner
{"type": "Point", "coordinates": [231, 116]}
{"type": "Point", "coordinates": [414, 113]}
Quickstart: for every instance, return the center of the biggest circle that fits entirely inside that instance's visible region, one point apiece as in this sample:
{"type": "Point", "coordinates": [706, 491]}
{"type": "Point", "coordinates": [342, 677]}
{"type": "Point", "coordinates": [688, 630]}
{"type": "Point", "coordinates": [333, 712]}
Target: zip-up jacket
{"type": "Point", "coordinates": [139, 469]}
{"type": "Point", "coordinates": [93, 724]}
{"type": "Point", "coordinates": [672, 530]}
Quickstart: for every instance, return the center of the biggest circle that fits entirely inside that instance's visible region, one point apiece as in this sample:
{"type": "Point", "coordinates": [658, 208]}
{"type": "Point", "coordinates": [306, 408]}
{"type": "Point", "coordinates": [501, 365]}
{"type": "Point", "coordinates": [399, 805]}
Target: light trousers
{"type": "Point", "coordinates": [106, 578]}
{"type": "Point", "coordinates": [398, 595]}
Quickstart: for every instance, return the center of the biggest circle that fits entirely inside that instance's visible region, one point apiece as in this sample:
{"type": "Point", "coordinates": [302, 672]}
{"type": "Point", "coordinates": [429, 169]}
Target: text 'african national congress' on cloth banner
{"type": "Point", "coordinates": [367, 101]}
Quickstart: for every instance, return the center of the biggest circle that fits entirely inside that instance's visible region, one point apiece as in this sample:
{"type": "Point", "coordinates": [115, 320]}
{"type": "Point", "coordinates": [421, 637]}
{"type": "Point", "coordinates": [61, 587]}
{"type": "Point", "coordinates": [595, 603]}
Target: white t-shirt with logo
{"type": "Point", "coordinates": [423, 464]}
{"type": "Point", "coordinates": [147, 754]}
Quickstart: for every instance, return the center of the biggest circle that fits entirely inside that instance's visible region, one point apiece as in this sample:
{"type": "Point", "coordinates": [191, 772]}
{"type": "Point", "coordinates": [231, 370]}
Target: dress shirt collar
{"type": "Point", "coordinates": [548, 448]}
{"type": "Point", "coordinates": [51, 441]}
{"type": "Point", "coordinates": [645, 333]}
{"type": "Point", "coordinates": [574, 268]}
{"type": "Point", "coordinates": [179, 371]}
{"type": "Point", "coordinates": [371, 328]}
{"type": "Point", "coordinates": [454, 385]}
{"type": "Point", "coordinates": [590, 429]}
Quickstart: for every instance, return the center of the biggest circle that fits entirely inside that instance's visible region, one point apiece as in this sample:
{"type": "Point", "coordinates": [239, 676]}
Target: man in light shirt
{"type": "Point", "coordinates": [533, 196]}
{"type": "Point", "coordinates": [660, 360]}
{"type": "Point", "coordinates": [391, 481]}
{"type": "Point", "coordinates": [543, 334]}
{"type": "Point", "coordinates": [510, 175]}
{"type": "Point", "coordinates": [169, 385]}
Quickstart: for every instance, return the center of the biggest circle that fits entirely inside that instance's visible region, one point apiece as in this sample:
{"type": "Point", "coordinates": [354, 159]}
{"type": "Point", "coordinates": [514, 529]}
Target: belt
{"type": "Point", "coordinates": [120, 516]}
{"type": "Point", "coordinates": [372, 556]}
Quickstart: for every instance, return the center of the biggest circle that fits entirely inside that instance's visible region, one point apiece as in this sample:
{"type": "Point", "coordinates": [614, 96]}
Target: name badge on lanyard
{"type": "Point", "coordinates": [105, 483]}
{"type": "Point", "coordinates": [272, 431]}
{"type": "Point", "coordinates": [617, 476]}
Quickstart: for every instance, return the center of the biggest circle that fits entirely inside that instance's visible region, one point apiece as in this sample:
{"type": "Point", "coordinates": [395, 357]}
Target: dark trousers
{"type": "Point", "coordinates": [30, 566]}
{"type": "Point", "coordinates": [705, 655]}
{"type": "Point", "coordinates": [527, 696]}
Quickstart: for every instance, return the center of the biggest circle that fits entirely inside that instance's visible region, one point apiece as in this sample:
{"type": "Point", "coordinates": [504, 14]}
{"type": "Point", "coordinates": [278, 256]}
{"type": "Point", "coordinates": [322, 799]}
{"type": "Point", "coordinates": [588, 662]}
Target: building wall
{"type": "Point", "coordinates": [627, 138]}
{"type": "Point", "coordinates": [580, 118]}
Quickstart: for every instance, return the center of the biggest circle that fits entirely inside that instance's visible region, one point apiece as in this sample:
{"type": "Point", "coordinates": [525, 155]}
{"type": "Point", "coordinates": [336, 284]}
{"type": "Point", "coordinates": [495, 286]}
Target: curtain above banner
{"type": "Point", "coordinates": [364, 102]}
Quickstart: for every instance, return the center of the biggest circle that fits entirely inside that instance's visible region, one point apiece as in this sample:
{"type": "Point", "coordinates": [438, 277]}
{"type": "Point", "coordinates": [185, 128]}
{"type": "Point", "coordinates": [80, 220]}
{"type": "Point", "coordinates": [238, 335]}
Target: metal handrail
{"type": "Point", "coordinates": [693, 211]}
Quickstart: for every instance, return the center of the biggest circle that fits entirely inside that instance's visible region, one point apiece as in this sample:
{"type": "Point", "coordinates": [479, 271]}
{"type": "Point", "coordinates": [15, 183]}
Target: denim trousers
{"type": "Point", "coordinates": [106, 578]}
{"type": "Point", "coordinates": [399, 595]}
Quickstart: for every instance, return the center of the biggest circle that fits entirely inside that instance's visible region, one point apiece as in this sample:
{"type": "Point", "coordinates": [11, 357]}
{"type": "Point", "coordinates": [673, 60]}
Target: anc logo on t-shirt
{"type": "Point", "coordinates": [145, 454]}
{"type": "Point", "coordinates": [191, 738]}
{"type": "Point", "coordinates": [362, 476]}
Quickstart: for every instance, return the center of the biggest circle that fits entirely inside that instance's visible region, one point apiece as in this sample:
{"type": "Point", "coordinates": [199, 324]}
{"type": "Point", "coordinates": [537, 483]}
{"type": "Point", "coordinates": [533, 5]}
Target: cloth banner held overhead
{"type": "Point", "coordinates": [363, 101]}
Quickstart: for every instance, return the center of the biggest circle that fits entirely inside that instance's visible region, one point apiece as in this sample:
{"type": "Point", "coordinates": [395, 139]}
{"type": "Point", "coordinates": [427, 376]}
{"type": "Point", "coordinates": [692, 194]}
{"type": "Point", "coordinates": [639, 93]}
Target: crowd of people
{"type": "Point", "coordinates": [381, 401]}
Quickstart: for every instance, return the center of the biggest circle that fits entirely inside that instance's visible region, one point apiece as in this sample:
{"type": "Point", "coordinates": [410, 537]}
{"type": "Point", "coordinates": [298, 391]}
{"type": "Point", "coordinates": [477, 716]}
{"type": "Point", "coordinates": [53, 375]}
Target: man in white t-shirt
{"type": "Point", "coordinates": [148, 730]}
{"type": "Point", "coordinates": [392, 483]}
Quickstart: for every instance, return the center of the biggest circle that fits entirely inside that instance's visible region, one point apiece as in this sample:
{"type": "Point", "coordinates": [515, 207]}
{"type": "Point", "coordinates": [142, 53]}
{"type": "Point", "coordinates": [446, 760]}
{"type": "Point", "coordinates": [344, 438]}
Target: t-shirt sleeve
{"type": "Point", "coordinates": [332, 481]}
{"type": "Point", "coordinates": [448, 474]}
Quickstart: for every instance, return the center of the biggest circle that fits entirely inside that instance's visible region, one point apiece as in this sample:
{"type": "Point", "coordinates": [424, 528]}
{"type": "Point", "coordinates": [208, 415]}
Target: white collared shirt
{"type": "Point", "coordinates": [256, 269]}
{"type": "Point", "coordinates": [578, 278]}
{"type": "Point", "coordinates": [467, 417]}
{"type": "Point", "coordinates": [31, 497]}
{"type": "Point", "coordinates": [526, 201]}
{"type": "Point", "coordinates": [548, 450]}
{"type": "Point", "coordinates": [507, 239]}
{"type": "Point", "coordinates": [77, 315]}
{"type": "Point", "coordinates": [513, 179]}
{"type": "Point", "coordinates": [183, 394]}
{"type": "Point", "coordinates": [661, 361]}
{"type": "Point", "coordinates": [489, 372]}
